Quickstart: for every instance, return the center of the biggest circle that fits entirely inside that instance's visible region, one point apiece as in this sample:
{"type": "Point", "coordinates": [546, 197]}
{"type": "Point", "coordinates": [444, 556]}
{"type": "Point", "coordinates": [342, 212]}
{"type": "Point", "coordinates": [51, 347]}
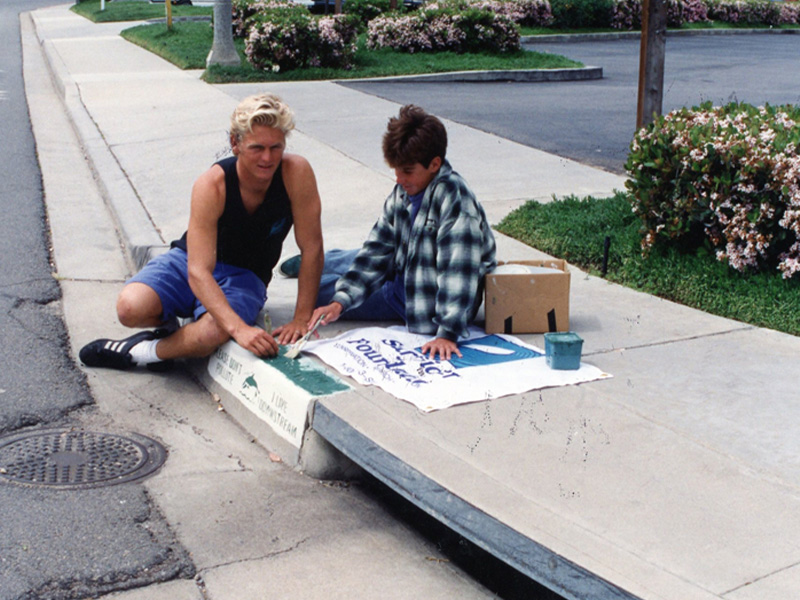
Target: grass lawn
{"type": "Point", "coordinates": [185, 45]}
{"type": "Point", "coordinates": [188, 43]}
{"type": "Point", "coordinates": [387, 62]}
{"type": "Point", "coordinates": [575, 229]}
{"type": "Point", "coordinates": [134, 11]}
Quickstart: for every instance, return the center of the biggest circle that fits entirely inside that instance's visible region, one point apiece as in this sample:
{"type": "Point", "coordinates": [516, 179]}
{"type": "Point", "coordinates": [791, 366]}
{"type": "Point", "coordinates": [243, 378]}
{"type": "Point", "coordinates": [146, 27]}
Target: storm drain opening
{"type": "Point", "coordinates": [67, 459]}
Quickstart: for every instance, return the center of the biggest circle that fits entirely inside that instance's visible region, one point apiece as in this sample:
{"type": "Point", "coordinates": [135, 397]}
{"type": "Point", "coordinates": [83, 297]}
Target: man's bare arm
{"type": "Point", "coordinates": [208, 203]}
{"type": "Point", "coordinates": [301, 185]}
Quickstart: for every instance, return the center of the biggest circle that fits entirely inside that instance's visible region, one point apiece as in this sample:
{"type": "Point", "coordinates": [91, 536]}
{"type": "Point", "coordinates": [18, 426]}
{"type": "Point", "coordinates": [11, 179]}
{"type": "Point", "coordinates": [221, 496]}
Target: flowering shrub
{"type": "Point", "coordinates": [627, 14]}
{"type": "Point", "coordinates": [241, 11]}
{"type": "Point", "coordinates": [281, 41]}
{"type": "Point", "coordinates": [366, 10]}
{"type": "Point", "coordinates": [695, 11]}
{"type": "Point", "coordinates": [335, 45]}
{"type": "Point", "coordinates": [750, 12]}
{"type": "Point", "coordinates": [577, 14]}
{"type": "Point", "coordinates": [789, 13]}
{"type": "Point", "coordinates": [408, 33]}
{"type": "Point", "coordinates": [727, 177]}
{"type": "Point", "coordinates": [245, 10]}
{"type": "Point", "coordinates": [434, 28]}
{"type": "Point", "coordinates": [530, 13]}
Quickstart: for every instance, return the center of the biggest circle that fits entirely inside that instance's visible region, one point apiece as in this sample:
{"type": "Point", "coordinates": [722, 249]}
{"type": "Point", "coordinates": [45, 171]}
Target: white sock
{"type": "Point", "coordinates": [144, 353]}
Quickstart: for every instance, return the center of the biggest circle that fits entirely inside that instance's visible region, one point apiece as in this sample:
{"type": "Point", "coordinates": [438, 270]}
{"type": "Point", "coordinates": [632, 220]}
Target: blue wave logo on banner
{"type": "Point", "coordinates": [490, 350]}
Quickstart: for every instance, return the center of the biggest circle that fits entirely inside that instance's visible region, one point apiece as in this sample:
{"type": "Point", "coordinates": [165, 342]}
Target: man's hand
{"type": "Point", "coordinates": [291, 332]}
{"type": "Point", "coordinates": [332, 312]}
{"type": "Point", "coordinates": [256, 340]}
{"type": "Point", "coordinates": [446, 348]}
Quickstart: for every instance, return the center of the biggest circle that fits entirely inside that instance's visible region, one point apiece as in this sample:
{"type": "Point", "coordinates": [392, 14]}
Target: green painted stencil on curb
{"type": "Point", "coordinates": [306, 376]}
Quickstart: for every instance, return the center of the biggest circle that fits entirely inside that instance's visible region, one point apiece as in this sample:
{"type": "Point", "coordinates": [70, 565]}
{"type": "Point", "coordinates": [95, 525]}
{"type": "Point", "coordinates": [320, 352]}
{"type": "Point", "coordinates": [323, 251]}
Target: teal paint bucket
{"type": "Point", "coordinates": [563, 350]}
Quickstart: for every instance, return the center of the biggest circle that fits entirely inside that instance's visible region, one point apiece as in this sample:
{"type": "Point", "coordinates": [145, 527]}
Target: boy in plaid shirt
{"type": "Point", "coordinates": [426, 257]}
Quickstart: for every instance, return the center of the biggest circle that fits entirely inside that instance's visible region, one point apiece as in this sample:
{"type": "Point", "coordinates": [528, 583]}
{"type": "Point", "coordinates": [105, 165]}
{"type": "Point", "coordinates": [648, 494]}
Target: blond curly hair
{"type": "Point", "coordinates": [261, 109]}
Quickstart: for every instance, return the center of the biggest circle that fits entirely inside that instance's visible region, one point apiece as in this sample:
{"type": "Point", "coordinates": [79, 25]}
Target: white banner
{"type": "Point", "coordinates": [492, 366]}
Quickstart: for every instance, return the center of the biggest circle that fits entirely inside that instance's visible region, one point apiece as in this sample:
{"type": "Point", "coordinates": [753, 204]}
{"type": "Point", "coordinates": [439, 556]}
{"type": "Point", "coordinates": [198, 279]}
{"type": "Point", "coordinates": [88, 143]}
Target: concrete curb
{"type": "Point", "coordinates": [557, 38]}
{"type": "Point", "coordinates": [521, 75]}
{"type": "Point", "coordinates": [534, 560]}
{"type": "Point", "coordinates": [136, 228]}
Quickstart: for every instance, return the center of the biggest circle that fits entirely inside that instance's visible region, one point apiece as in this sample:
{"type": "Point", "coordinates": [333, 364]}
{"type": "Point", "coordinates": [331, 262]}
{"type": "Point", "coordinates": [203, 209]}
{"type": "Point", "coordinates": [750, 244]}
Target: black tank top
{"type": "Point", "coordinates": [254, 241]}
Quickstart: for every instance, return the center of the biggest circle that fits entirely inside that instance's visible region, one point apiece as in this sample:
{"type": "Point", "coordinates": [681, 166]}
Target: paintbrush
{"type": "Point", "coordinates": [294, 351]}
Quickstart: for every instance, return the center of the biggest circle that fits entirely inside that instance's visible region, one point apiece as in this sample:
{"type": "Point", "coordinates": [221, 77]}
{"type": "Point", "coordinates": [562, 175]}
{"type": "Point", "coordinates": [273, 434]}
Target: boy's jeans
{"type": "Point", "coordinates": [374, 308]}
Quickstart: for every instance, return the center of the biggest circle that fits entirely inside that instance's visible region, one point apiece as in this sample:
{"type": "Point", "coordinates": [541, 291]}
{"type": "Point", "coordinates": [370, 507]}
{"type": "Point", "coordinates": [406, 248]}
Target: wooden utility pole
{"type": "Point", "coordinates": [651, 61]}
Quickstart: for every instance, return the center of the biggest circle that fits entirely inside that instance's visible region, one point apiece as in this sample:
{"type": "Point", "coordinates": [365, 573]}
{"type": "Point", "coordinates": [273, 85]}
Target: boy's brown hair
{"type": "Point", "coordinates": [414, 137]}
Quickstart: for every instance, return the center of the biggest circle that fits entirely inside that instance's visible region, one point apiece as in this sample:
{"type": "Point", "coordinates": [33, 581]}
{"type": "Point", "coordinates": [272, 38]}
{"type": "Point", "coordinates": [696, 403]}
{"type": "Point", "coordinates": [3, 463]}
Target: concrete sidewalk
{"type": "Point", "coordinates": [677, 479]}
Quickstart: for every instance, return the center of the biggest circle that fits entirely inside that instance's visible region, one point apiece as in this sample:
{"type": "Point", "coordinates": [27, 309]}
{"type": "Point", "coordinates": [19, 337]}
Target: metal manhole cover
{"type": "Point", "coordinates": [77, 459]}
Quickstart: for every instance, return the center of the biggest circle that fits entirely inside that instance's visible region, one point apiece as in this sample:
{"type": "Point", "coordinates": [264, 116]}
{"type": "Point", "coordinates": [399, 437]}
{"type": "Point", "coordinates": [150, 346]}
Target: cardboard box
{"type": "Point", "coordinates": [529, 302]}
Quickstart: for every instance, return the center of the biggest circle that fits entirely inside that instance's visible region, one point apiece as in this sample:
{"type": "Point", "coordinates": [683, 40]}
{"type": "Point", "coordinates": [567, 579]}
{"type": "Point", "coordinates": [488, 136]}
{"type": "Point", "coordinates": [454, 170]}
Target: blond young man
{"type": "Point", "coordinates": [242, 209]}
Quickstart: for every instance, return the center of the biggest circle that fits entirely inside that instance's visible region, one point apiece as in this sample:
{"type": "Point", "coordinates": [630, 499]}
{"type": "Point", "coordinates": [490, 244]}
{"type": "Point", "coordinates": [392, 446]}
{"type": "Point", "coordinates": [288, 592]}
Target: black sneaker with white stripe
{"type": "Point", "coordinates": [113, 354]}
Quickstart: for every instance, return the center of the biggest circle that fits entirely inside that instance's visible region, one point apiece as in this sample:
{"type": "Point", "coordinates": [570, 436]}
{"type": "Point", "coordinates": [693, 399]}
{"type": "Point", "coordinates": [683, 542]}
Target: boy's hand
{"type": "Point", "coordinates": [290, 332]}
{"type": "Point", "coordinates": [332, 312]}
{"type": "Point", "coordinates": [446, 348]}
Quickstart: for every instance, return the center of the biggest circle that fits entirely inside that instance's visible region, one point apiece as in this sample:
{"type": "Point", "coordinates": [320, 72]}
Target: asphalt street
{"type": "Point", "coordinates": [34, 363]}
{"type": "Point", "coordinates": [54, 543]}
{"type": "Point", "coordinates": [593, 122]}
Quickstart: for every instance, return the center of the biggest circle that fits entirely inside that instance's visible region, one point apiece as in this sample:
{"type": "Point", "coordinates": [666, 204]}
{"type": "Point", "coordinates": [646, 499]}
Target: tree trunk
{"type": "Point", "coordinates": [223, 52]}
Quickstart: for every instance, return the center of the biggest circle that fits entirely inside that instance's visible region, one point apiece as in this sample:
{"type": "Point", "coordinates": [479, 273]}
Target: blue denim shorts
{"type": "Point", "coordinates": [168, 275]}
